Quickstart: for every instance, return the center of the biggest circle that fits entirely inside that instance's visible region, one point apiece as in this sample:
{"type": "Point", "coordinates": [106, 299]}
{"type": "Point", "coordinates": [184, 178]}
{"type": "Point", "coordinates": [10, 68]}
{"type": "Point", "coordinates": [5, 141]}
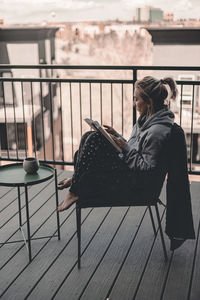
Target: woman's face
{"type": "Point", "coordinates": [139, 103]}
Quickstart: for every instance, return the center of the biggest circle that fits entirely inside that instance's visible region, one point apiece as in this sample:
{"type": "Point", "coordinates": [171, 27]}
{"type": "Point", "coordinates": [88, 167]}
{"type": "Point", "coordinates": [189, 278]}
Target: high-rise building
{"type": "Point", "coordinates": [148, 14]}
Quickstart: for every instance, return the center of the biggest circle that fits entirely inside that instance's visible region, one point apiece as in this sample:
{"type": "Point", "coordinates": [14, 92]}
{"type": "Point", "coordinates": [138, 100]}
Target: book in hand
{"type": "Point", "coordinates": [96, 126]}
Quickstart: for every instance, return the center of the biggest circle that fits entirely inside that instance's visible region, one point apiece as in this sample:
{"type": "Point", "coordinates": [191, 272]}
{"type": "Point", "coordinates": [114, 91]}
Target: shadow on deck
{"type": "Point", "coordinates": [121, 258]}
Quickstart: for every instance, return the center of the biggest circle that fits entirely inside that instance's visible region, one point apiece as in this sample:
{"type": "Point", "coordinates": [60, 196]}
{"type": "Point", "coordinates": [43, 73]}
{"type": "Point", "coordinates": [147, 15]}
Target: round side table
{"type": "Point", "coordinates": [13, 175]}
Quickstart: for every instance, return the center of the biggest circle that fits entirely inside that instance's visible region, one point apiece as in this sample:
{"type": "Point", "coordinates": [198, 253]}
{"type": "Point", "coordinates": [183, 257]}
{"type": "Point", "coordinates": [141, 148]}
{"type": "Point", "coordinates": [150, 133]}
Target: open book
{"type": "Point", "coordinates": [96, 126]}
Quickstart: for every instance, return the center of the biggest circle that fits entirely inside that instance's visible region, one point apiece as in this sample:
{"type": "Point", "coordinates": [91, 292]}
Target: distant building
{"type": "Point", "coordinates": [148, 14]}
{"type": "Point", "coordinates": [122, 30]}
{"type": "Point", "coordinates": [24, 46]}
{"type": "Point", "coordinates": [168, 17]}
{"type": "Point", "coordinates": [174, 46]}
{"type": "Point", "coordinates": [1, 21]}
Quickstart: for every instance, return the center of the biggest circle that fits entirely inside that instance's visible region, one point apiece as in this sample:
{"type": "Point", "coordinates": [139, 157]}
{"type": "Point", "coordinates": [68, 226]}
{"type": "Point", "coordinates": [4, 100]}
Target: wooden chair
{"type": "Point", "coordinates": [118, 200]}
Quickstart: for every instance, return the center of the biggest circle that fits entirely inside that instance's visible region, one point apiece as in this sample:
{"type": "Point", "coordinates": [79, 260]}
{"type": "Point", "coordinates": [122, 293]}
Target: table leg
{"type": "Point", "coordinates": [28, 223]}
{"type": "Point", "coordinates": [57, 213]}
{"type": "Point", "coordinates": [19, 207]}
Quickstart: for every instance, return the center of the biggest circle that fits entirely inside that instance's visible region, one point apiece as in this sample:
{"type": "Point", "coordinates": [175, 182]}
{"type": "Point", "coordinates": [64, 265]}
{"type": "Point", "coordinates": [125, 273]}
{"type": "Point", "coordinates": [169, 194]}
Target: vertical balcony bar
{"type": "Point", "coordinates": [33, 117]}
{"type": "Point", "coordinates": [41, 105]}
{"type": "Point", "coordinates": [81, 114]}
{"type": "Point", "coordinates": [61, 120]}
{"type": "Point", "coordinates": [101, 104]}
{"type": "Point", "coordinates": [181, 104]}
{"type": "Point", "coordinates": [52, 121]}
{"type": "Point", "coordinates": [40, 73]}
{"type": "Point", "coordinates": [5, 114]}
{"type": "Point", "coordinates": [90, 89]}
{"type": "Point", "coordinates": [122, 109]}
{"type": "Point", "coordinates": [134, 108]}
{"type": "Point", "coordinates": [191, 133]}
{"type": "Point", "coordinates": [51, 70]}
{"type": "Point", "coordinates": [25, 126]}
{"type": "Point", "coordinates": [111, 104]}
{"type": "Point", "coordinates": [15, 124]}
{"type": "Point", "coordinates": [71, 110]}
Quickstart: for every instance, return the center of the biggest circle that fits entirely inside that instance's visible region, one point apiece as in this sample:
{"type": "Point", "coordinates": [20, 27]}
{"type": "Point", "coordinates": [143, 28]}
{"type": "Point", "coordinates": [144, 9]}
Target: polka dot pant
{"type": "Point", "coordinates": [96, 154]}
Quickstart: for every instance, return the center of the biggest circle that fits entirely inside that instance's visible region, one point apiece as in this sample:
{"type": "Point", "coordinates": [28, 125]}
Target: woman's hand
{"type": "Point", "coordinates": [110, 129]}
{"type": "Point", "coordinates": [119, 141]}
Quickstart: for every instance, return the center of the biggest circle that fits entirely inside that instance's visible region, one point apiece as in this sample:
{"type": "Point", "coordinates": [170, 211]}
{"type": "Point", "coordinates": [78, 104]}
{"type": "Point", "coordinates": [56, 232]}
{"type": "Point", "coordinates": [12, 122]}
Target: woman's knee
{"type": "Point", "coordinates": [94, 135]}
{"type": "Point", "coordinates": [91, 137]}
{"type": "Point", "coordinates": [85, 136]}
{"type": "Point", "coordinates": [75, 157]}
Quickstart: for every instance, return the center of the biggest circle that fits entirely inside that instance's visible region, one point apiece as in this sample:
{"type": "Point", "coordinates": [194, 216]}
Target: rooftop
{"type": "Point", "coordinates": [14, 34]}
{"type": "Point", "coordinates": [175, 35]}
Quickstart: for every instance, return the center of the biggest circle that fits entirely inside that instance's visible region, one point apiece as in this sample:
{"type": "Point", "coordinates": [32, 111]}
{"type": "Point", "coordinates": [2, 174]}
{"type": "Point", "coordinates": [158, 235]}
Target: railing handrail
{"type": "Point", "coordinates": [82, 80]}
{"type": "Point", "coordinates": [43, 79]}
{"type": "Point", "coordinates": [100, 67]}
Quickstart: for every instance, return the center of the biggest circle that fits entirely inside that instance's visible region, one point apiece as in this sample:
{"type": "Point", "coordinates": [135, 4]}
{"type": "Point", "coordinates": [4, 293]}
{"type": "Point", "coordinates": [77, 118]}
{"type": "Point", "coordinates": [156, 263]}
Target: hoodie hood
{"type": "Point", "coordinates": [163, 116]}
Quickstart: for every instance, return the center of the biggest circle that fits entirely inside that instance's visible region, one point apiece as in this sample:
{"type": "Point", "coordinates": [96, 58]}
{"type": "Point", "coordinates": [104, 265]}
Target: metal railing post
{"type": "Point", "coordinates": [134, 109]}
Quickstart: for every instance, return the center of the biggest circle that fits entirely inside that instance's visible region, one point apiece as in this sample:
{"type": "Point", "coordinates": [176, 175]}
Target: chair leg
{"type": "Point", "coordinates": [152, 220]}
{"type": "Point", "coordinates": [161, 232]}
{"type": "Point", "coordinates": [78, 225]}
{"type": "Point", "coordinates": [77, 220]}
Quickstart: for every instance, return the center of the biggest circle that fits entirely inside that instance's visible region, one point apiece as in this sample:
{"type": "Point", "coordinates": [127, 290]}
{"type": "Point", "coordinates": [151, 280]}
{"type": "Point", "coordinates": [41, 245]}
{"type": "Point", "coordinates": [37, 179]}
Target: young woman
{"type": "Point", "coordinates": [143, 163]}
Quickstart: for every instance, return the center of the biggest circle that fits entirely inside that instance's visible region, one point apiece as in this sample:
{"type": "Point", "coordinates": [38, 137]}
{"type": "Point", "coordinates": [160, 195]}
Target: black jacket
{"type": "Point", "coordinates": [179, 220]}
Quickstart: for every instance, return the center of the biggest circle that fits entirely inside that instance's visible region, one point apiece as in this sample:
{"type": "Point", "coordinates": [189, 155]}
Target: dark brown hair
{"type": "Point", "coordinates": [152, 88]}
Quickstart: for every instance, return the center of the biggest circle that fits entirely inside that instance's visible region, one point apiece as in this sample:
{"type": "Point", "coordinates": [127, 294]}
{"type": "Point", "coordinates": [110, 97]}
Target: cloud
{"type": "Point", "coordinates": [78, 5]}
{"type": "Point", "coordinates": [140, 3]}
{"type": "Point", "coordinates": [63, 4]}
{"type": "Point", "coordinates": [130, 3]}
{"type": "Point", "coordinates": [183, 5]}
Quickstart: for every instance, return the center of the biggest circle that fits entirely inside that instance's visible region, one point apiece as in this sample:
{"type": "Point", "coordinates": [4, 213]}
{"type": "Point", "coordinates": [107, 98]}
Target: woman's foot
{"type": "Point", "coordinates": [70, 199]}
{"type": "Point", "coordinates": [65, 183]}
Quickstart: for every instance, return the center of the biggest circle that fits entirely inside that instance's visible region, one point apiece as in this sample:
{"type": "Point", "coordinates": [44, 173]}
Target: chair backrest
{"type": "Point", "coordinates": [176, 152]}
{"type": "Point", "coordinates": [179, 221]}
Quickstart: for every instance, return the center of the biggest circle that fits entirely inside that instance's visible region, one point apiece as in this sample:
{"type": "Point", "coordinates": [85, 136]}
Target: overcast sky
{"type": "Point", "coordinates": [25, 11]}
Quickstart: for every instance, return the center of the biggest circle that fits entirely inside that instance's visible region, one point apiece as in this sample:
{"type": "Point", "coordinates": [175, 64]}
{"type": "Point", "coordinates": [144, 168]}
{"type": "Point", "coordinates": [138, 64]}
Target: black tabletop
{"type": "Point", "coordinates": [14, 175]}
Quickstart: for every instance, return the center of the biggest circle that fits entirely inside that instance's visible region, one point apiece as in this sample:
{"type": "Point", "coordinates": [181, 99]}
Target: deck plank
{"type": "Point", "coordinates": [54, 273]}
{"type": "Point", "coordinates": [178, 281]}
{"type": "Point", "coordinates": [33, 273]}
{"type": "Point", "coordinates": [156, 270]}
{"type": "Point", "coordinates": [103, 277]}
{"type": "Point", "coordinates": [195, 286]}
{"type": "Point", "coordinates": [155, 274]}
{"type": "Point", "coordinates": [129, 277]}
{"type": "Point", "coordinates": [75, 287]}
{"type": "Point", "coordinates": [67, 260]}
{"type": "Point", "coordinates": [3, 191]}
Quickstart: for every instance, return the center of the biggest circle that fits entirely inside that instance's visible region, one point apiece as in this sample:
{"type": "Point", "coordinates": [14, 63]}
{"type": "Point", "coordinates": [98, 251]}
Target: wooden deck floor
{"type": "Point", "coordinates": [121, 257]}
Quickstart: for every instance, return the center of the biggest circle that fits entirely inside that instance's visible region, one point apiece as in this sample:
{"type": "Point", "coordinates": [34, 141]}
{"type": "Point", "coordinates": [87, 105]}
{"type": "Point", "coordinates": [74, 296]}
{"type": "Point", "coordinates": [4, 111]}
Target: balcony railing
{"type": "Point", "coordinates": [43, 117]}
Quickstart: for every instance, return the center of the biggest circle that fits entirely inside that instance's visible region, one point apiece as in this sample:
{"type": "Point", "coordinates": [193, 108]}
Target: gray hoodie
{"type": "Point", "coordinates": [145, 151]}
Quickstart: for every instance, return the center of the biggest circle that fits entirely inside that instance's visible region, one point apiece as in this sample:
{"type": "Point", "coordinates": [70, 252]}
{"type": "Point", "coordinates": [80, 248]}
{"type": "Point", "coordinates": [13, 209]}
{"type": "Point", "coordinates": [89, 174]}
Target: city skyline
{"type": "Point", "coordinates": [17, 11]}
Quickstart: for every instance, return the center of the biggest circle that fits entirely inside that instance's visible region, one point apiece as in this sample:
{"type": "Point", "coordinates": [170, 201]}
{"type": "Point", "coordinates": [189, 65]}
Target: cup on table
{"type": "Point", "coordinates": [31, 165]}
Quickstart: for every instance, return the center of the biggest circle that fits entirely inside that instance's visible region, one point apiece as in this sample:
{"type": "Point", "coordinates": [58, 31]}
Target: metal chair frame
{"type": "Point", "coordinates": [78, 222]}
